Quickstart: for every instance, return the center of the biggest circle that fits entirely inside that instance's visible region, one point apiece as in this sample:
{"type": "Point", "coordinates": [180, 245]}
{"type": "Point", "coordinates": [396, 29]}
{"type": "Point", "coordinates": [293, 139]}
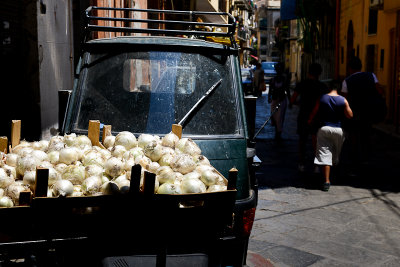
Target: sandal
{"type": "Point", "coordinates": [326, 187]}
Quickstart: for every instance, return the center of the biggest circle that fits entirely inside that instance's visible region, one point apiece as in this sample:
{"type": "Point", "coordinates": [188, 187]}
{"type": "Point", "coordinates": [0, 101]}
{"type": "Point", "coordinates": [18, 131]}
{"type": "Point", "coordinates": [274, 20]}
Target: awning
{"type": "Point", "coordinates": [288, 9]}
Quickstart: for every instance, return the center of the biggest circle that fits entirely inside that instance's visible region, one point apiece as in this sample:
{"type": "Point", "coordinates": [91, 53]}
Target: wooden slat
{"type": "Point", "coordinates": [135, 179]}
{"type": "Point", "coordinates": [177, 129]}
{"type": "Point", "coordinates": [41, 182]}
{"type": "Point", "coordinates": [3, 144]}
{"type": "Point", "coordinates": [15, 132]}
{"type": "Point", "coordinates": [94, 133]}
{"type": "Point", "coordinates": [25, 198]}
{"type": "Point", "coordinates": [106, 132]}
{"type": "Point", "coordinates": [149, 181]}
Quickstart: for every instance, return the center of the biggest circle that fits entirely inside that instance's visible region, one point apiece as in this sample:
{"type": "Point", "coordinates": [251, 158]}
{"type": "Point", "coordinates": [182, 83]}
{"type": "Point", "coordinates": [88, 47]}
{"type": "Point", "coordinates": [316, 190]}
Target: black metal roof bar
{"type": "Point", "coordinates": [182, 12]}
{"type": "Point", "coordinates": [160, 21]}
{"type": "Point", "coordinates": [230, 26]}
{"type": "Point", "coordinates": [155, 31]}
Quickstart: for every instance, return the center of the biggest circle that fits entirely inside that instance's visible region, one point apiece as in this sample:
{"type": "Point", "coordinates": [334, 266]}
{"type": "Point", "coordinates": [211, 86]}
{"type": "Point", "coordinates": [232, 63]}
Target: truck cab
{"type": "Point", "coordinates": [144, 84]}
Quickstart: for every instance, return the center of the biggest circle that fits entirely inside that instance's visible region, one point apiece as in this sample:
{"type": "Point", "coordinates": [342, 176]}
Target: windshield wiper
{"type": "Point", "coordinates": [195, 106]}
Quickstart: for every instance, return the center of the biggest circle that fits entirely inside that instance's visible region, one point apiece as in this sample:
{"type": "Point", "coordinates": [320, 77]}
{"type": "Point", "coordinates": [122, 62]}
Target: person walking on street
{"type": "Point", "coordinates": [258, 80]}
{"type": "Point", "coordinates": [359, 88]}
{"type": "Point", "coordinates": [331, 109]}
{"type": "Point", "coordinates": [279, 96]}
{"type": "Point", "coordinates": [309, 91]}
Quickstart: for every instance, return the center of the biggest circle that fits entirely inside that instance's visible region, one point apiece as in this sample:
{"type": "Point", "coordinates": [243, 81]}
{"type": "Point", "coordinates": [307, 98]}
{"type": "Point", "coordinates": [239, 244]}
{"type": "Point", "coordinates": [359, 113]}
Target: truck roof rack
{"type": "Point", "coordinates": [190, 27]}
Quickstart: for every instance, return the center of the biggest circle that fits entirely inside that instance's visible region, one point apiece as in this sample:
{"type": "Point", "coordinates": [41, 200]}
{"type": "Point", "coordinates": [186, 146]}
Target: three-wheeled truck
{"type": "Point", "coordinates": [151, 74]}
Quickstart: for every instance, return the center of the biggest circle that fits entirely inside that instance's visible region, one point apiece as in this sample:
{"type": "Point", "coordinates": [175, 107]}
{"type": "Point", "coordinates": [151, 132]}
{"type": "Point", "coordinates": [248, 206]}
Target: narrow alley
{"type": "Point", "coordinates": [356, 223]}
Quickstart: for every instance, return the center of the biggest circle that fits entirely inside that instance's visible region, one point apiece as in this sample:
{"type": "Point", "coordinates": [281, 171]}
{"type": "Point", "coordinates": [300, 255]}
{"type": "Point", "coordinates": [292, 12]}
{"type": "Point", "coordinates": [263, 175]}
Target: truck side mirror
{"type": "Point", "coordinates": [63, 100]}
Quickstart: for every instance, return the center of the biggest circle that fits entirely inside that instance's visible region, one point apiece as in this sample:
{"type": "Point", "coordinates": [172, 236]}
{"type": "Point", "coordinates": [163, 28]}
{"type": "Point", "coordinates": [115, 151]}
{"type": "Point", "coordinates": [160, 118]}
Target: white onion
{"type": "Point", "coordinates": [145, 139]}
{"type": "Point", "coordinates": [170, 140]}
{"type": "Point", "coordinates": [94, 170]}
{"type": "Point", "coordinates": [109, 188]}
{"type": "Point", "coordinates": [126, 139]}
{"type": "Point", "coordinates": [143, 161]}
{"type": "Point", "coordinates": [192, 186]}
{"type": "Point", "coordinates": [82, 141]}
{"type": "Point", "coordinates": [69, 139]}
{"type": "Point", "coordinates": [77, 191]}
{"type": "Point", "coordinates": [182, 163]}
{"type": "Point", "coordinates": [60, 167]}
{"type": "Point", "coordinates": [6, 202]}
{"type": "Point", "coordinates": [41, 145]}
{"type": "Point", "coordinates": [106, 153]}
{"type": "Point", "coordinates": [168, 188]}
{"type": "Point", "coordinates": [118, 151]}
{"type": "Point", "coordinates": [93, 157]}
{"type": "Point", "coordinates": [1, 192]}
{"type": "Point", "coordinates": [216, 188]}
{"type": "Point", "coordinates": [192, 175]}
{"type": "Point", "coordinates": [68, 155]}
{"type": "Point", "coordinates": [165, 160]}
{"type": "Point", "coordinates": [56, 143]}
{"type": "Point", "coordinates": [45, 164]}
{"type": "Point", "coordinates": [109, 141]}
{"type": "Point", "coordinates": [5, 180]}
{"type": "Point", "coordinates": [27, 163]}
{"type": "Point", "coordinates": [201, 160]}
{"type": "Point", "coordinates": [128, 164]}
{"type": "Point", "coordinates": [152, 167]}
{"type": "Point", "coordinates": [113, 167]}
{"type": "Point", "coordinates": [54, 156]}
{"type": "Point", "coordinates": [13, 191]}
{"type": "Point", "coordinates": [40, 155]}
{"type": "Point", "coordinates": [209, 177]}
{"type": "Point", "coordinates": [25, 151]}
{"type": "Point", "coordinates": [188, 146]}
{"type": "Point", "coordinates": [165, 175]}
{"type": "Point", "coordinates": [10, 170]}
{"type": "Point", "coordinates": [91, 185]}
{"type": "Point", "coordinates": [21, 146]}
{"type": "Point", "coordinates": [104, 179]}
{"type": "Point", "coordinates": [62, 188]}
{"type": "Point", "coordinates": [153, 150]}
{"type": "Point", "coordinates": [74, 173]}
{"type": "Point", "coordinates": [54, 176]}
{"type": "Point", "coordinates": [12, 159]}
{"type": "Point", "coordinates": [29, 178]}
{"type": "Point", "coordinates": [136, 151]}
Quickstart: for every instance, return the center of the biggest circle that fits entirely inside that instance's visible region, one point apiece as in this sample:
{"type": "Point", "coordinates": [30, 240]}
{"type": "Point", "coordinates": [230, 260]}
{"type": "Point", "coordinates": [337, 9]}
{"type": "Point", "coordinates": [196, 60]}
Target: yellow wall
{"type": "Point", "coordinates": [357, 11]}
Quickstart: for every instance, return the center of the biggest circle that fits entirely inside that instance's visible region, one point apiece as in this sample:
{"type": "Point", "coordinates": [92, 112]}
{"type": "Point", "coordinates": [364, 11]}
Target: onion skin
{"type": "Point", "coordinates": [113, 167]}
{"type": "Point", "coordinates": [62, 188]}
{"type": "Point", "coordinates": [182, 163]}
{"type": "Point", "coordinates": [168, 188]}
{"type": "Point", "coordinates": [6, 202]}
{"type": "Point", "coordinates": [189, 186]}
{"type": "Point", "coordinates": [126, 139]}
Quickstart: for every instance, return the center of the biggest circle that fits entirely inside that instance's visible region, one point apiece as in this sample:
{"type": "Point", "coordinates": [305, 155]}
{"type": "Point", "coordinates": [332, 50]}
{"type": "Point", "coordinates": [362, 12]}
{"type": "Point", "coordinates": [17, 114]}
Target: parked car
{"type": "Point", "coordinates": [247, 80]}
{"type": "Point", "coordinates": [269, 70]}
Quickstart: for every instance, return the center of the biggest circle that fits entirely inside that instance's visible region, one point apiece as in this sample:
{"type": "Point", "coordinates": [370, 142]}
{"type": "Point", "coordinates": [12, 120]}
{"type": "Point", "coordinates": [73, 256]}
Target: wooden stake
{"type": "Point", "coordinates": [233, 173]}
{"type": "Point", "coordinates": [25, 198]}
{"type": "Point", "coordinates": [94, 133]}
{"type": "Point", "coordinates": [149, 181]}
{"type": "Point", "coordinates": [177, 129]}
{"type": "Point", "coordinates": [3, 144]}
{"type": "Point", "coordinates": [106, 132]}
{"type": "Point", "coordinates": [41, 182]}
{"type": "Point", "coordinates": [15, 132]}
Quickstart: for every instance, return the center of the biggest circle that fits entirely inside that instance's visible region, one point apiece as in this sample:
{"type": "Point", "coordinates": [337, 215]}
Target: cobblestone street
{"type": "Point", "coordinates": [356, 223]}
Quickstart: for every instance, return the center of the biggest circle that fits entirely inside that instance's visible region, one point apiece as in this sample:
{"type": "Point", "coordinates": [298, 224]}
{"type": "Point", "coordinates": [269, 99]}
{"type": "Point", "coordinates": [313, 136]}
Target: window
{"type": "Point", "coordinates": [373, 21]}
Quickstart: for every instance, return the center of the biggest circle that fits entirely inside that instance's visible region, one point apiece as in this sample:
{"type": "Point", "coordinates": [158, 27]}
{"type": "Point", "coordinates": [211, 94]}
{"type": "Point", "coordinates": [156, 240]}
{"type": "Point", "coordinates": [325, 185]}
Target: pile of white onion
{"type": "Point", "coordinates": [76, 168]}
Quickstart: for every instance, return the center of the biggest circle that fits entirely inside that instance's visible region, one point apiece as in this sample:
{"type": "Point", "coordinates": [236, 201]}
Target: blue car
{"type": "Point", "coordinates": [269, 70]}
{"type": "Point", "coordinates": [247, 80]}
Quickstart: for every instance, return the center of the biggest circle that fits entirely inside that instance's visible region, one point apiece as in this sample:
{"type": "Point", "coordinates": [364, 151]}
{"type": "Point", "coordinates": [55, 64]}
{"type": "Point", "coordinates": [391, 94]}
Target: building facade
{"type": "Point", "coordinates": [370, 29]}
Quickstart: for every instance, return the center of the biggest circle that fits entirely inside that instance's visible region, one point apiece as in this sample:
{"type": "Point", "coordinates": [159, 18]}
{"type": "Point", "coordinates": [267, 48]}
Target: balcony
{"type": "Point", "coordinates": [210, 6]}
{"type": "Point", "coordinates": [243, 4]}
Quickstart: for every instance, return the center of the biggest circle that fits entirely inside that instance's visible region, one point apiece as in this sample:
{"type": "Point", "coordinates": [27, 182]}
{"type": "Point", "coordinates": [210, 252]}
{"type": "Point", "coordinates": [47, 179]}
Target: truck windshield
{"type": "Point", "coordinates": [147, 92]}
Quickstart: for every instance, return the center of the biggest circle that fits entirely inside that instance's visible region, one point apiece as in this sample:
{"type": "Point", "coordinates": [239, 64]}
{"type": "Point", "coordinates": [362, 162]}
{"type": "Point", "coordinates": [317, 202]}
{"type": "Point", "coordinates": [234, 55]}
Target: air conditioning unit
{"type": "Point", "coordinates": [376, 4]}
